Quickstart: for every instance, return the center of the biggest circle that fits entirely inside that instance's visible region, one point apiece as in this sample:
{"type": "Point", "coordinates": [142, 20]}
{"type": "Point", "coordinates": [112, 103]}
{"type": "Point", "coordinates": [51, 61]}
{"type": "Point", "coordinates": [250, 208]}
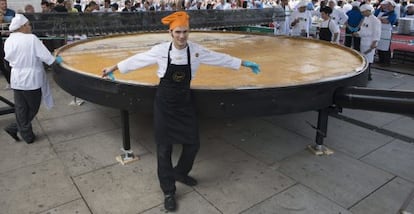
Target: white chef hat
{"type": "Point", "coordinates": [388, 2]}
{"type": "Point", "coordinates": [334, 1]}
{"type": "Point", "coordinates": [365, 7]}
{"type": "Point", "coordinates": [18, 21]}
{"type": "Point", "coordinates": [302, 4]}
{"type": "Point", "coordinates": [355, 3]}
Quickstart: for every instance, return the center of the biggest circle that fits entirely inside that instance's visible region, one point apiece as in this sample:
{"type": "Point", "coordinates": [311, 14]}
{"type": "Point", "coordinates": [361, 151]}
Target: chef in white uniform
{"type": "Point", "coordinates": [175, 119]}
{"type": "Point", "coordinates": [370, 34]}
{"type": "Point", "coordinates": [337, 15]}
{"type": "Point", "coordinates": [281, 24]}
{"type": "Point", "coordinates": [26, 55]}
{"type": "Point", "coordinates": [388, 18]}
{"type": "Point", "coordinates": [300, 20]}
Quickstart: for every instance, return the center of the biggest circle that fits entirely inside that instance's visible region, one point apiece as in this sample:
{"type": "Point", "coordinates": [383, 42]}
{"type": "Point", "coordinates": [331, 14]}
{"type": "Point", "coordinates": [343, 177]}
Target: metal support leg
{"type": "Point", "coordinates": [128, 155]}
{"type": "Point", "coordinates": [321, 133]}
{"type": "Point", "coordinates": [322, 128]}
{"type": "Point", "coordinates": [6, 110]}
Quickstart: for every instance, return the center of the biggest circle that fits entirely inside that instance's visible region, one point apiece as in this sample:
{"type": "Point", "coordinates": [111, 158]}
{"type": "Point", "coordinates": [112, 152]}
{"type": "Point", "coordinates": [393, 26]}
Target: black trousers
{"type": "Point", "coordinates": [166, 171]}
{"type": "Point", "coordinates": [384, 57]}
{"type": "Point", "coordinates": [26, 104]}
{"type": "Point", "coordinates": [352, 41]}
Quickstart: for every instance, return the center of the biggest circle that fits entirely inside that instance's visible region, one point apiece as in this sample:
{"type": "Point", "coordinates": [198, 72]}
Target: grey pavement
{"type": "Point", "coordinates": [246, 165]}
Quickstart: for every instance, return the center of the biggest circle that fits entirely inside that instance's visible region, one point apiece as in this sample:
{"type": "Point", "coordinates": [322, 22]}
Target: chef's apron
{"type": "Point", "coordinates": [366, 46]}
{"type": "Point", "coordinates": [325, 34]}
{"type": "Point", "coordinates": [174, 115]}
{"type": "Point", "coordinates": [386, 33]}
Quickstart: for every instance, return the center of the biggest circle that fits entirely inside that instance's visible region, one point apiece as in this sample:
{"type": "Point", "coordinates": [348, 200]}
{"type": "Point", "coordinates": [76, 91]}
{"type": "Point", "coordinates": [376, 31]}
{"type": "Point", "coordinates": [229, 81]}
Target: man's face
{"type": "Point", "coordinates": [3, 5]}
{"type": "Point", "coordinates": [410, 10]}
{"type": "Point", "coordinates": [26, 28]}
{"type": "Point", "coordinates": [302, 9]}
{"type": "Point", "coordinates": [180, 36]}
{"type": "Point", "coordinates": [366, 13]}
{"type": "Point", "coordinates": [45, 8]}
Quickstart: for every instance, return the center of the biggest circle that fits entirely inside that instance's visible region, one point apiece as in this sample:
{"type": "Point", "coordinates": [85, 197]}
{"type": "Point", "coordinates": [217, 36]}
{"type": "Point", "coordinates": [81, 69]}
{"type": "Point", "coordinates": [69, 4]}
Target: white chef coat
{"type": "Point", "coordinates": [282, 24]}
{"type": "Point", "coordinates": [339, 16]}
{"type": "Point", "coordinates": [303, 24]}
{"type": "Point", "coordinates": [159, 53]}
{"type": "Point", "coordinates": [26, 54]}
{"type": "Point", "coordinates": [369, 31]}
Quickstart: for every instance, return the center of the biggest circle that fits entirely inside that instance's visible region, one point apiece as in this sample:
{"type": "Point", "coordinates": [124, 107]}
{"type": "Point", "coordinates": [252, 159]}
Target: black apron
{"type": "Point", "coordinates": [325, 34]}
{"type": "Point", "coordinates": [175, 120]}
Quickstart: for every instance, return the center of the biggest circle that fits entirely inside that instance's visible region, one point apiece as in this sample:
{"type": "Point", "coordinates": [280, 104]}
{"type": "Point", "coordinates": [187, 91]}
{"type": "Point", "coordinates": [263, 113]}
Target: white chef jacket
{"type": "Point", "coordinates": [303, 24]}
{"type": "Point", "coordinates": [369, 31]}
{"type": "Point", "coordinates": [339, 17]}
{"type": "Point", "coordinates": [159, 53]}
{"type": "Point", "coordinates": [282, 24]}
{"type": "Point", "coordinates": [26, 54]}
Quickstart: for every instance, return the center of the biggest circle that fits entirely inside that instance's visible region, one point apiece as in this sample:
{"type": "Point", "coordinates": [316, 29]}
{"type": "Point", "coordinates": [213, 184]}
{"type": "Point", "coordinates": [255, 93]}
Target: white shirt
{"type": "Point", "coordinates": [25, 53]}
{"type": "Point", "coordinates": [338, 16]}
{"type": "Point", "coordinates": [159, 53]}
{"type": "Point", "coordinates": [369, 31]}
{"type": "Point", "coordinates": [305, 20]}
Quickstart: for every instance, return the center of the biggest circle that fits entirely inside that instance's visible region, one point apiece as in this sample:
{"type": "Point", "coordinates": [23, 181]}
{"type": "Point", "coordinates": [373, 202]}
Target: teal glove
{"type": "Point", "coordinates": [59, 59]}
{"type": "Point", "coordinates": [255, 67]}
{"type": "Point", "coordinates": [111, 76]}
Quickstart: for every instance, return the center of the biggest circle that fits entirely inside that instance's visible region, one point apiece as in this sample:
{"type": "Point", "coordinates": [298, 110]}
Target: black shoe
{"type": "Point", "coordinates": [12, 134]}
{"type": "Point", "coordinates": [31, 140]}
{"type": "Point", "coordinates": [169, 202]}
{"type": "Point", "coordinates": [187, 180]}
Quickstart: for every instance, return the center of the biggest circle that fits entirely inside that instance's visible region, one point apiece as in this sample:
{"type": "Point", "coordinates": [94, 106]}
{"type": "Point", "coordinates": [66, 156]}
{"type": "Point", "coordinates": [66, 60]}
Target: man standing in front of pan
{"type": "Point", "coordinates": [175, 119]}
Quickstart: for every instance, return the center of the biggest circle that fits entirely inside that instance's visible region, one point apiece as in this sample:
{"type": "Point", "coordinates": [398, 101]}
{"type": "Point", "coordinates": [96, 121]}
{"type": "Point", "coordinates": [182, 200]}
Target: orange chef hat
{"type": "Point", "coordinates": [177, 19]}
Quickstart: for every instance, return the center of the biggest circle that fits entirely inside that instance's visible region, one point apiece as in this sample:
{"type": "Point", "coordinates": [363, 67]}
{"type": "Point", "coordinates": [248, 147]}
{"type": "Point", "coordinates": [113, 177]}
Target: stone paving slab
{"type": "Point", "coordinates": [396, 157]}
{"type": "Point", "coordinates": [62, 105]}
{"type": "Point", "coordinates": [234, 181]}
{"type": "Point", "coordinates": [374, 118]}
{"type": "Point", "coordinates": [403, 126]}
{"type": "Point", "coordinates": [262, 139]}
{"type": "Point", "coordinates": [36, 188]}
{"type": "Point", "coordinates": [17, 154]}
{"type": "Point", "coordinates": [190, 203]}
{"type": "Point", "coordinates": [388, 199]}
{"type": "Point", "coordinates": [385, 80]}
{"type": "Point", "coordinates": [77, 125]}
{"type": "Point", "coordinates": [74, 207]}
{"type": "Point", "coordinates": [93, 152]}
{"type": "Point", "coordinates": [338, 177]}
{"type": "Point", "coordinates": [125, 189]}
{"type": "Point", "coordinates": [353, 140]}
{"type": "Point", "coordinates": [298, 123]}
{"type": "Point", "coordinates": [297, 200]}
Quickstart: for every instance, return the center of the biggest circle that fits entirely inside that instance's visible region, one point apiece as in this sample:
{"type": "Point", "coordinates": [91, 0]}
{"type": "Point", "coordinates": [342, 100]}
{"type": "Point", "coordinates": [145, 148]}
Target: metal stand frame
{"type": "Point", "coordinates": [128, 155]}
{"type": "Point", "coordinates": [8, 109]}
{"type": "Point", "coordinates": [321, 133]}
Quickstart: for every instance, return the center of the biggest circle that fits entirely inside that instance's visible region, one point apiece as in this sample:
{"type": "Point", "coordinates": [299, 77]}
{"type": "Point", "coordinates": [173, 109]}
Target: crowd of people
{"type": "Point", "coordinates": [323, 19]}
